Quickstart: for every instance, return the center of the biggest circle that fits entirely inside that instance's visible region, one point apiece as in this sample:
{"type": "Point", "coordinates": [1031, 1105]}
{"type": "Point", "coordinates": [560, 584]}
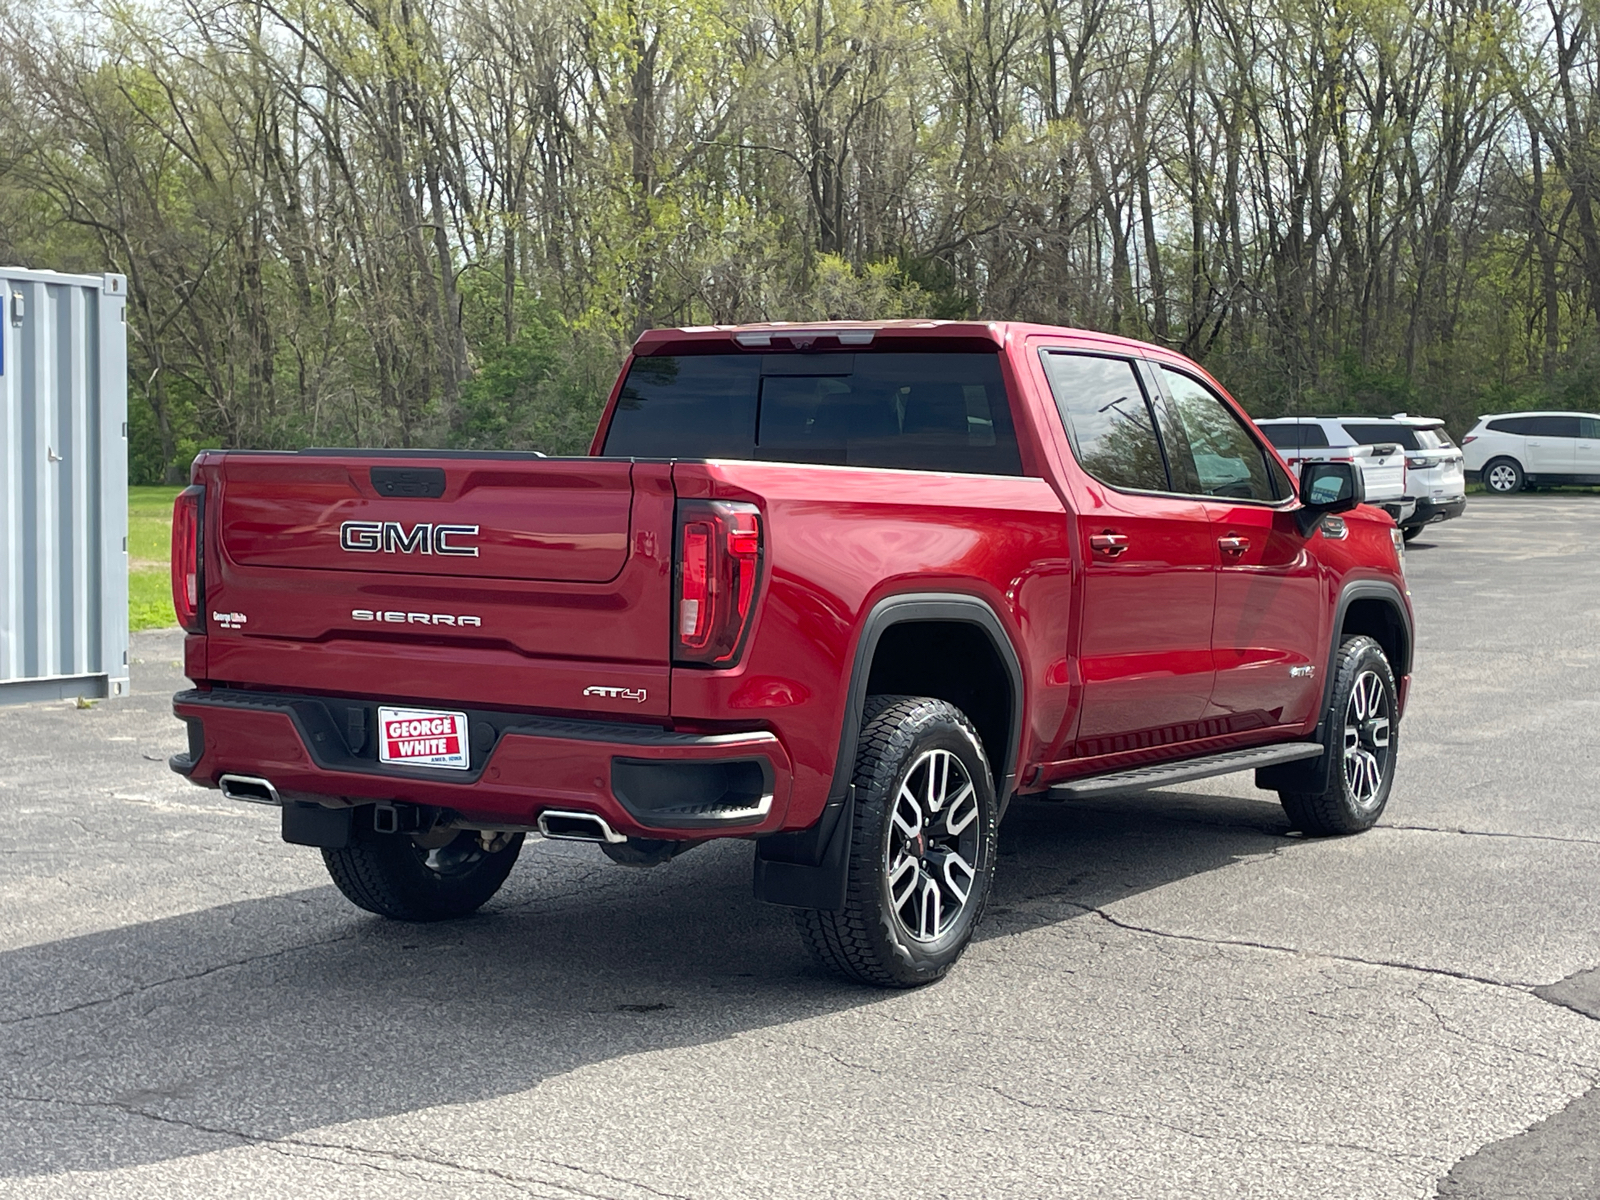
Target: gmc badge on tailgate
{"type": "Point", "coordinates": [390, 537]}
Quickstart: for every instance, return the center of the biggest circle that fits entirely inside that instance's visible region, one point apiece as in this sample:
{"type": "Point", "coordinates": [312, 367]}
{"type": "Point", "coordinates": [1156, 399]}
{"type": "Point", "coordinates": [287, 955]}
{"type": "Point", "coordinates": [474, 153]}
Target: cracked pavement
{"type": "Point", "coordinates": [1170, 995]}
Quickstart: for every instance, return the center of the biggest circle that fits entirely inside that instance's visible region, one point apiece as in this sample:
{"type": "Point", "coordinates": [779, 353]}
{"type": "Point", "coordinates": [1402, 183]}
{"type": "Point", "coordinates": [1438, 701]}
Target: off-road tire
{"type": "Point", "coordinates": [389, 874]}
{"type": "Point", "coordinates": [869, 940]}
{"type": "Point", "coordinates": [1503, 477]}
{"type": "Point", "coordinates": [1348, 805]}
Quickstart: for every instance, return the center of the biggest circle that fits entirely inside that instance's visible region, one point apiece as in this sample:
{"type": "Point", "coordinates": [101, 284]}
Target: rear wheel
{"type": "Point", "coordinates": [1503, 476]}
{"type": "Point", "coordinates": [1409, 532]}
{"type": "Point", "coordinates": [392, 875]}
{"type": "Point", "coordinates": [921, 850]}
{"type": "Point", "coordinates": [1362, 738]}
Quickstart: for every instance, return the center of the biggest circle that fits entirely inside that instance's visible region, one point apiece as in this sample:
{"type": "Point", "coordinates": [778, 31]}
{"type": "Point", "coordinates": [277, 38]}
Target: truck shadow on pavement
{"type": "Point", "coordinates": [277, 1016]}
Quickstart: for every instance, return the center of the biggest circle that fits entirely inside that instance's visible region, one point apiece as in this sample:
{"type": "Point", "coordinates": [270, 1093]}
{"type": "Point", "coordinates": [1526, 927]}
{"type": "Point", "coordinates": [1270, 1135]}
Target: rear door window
{"type": "Point", "coordinates": [1589, 427]}
{"type": "Point", "coordinates": [1228, 462]}
{"type": "Point", "coordinates": [1108, 420]}
{"type": "Point", "coordinates": [1301, 435]}
{"type": "Point", "coordinates": [913, 411]}
{"type": "Point", "coordinates": [1560, 427]}
{"type": "Point", "coordinates": [1284, 437]}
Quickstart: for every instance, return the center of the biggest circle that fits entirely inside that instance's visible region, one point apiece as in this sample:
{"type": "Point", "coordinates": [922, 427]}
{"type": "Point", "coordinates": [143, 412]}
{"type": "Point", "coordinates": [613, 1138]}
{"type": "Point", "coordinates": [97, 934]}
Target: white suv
{"type": "Point", "coordinates": [1324, 439]}
{"type": "Point", "coordinates": [1511, 451]}
{"type": "Point", "coordinates": [1435, 477]}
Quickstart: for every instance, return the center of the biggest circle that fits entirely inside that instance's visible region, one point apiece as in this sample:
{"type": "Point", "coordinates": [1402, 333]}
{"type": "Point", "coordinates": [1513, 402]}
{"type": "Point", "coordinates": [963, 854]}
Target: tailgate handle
{"type": "Point", "coordinates": [423, 483]}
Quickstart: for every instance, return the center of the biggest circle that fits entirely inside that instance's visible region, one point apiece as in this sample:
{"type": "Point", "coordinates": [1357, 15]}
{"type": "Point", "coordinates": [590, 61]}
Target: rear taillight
{"type": "Point", "coordinates": [1471, 437]}
{"type": "Point", "coordinates": [188, 582]}
{"type": "Point", "coordinates": [719, 555]}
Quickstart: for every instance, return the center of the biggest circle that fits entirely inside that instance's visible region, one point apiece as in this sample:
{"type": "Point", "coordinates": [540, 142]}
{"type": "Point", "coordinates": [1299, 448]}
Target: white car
{"type": "Point", "coordinates": [1435, 475]}
{"type": "Point", "coordinates": [1323, 439]}
{"type": "Point", "coordinates": [1511, 451]}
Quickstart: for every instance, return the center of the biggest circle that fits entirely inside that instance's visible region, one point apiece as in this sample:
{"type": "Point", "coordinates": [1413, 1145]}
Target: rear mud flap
{"type": "Point", "coordinates": [790, 871]}
{"type": "Point", "coordinates": [315, 825]}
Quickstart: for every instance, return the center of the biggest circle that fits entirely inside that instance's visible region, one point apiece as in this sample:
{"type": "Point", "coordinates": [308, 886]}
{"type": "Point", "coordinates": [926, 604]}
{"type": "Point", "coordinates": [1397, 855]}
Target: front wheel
{"type": "Point", "coordinates": [921, 850]}
{"type": "Point", "coordinates": [1504, 476]}
{"type": "Point", "coordinates": [1362, 738]}
{"type": "Point", "coordinates": [392, 875]}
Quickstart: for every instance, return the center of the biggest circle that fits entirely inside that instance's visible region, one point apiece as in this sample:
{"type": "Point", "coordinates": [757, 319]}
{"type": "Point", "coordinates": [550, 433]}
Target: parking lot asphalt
{"type": "Point", "coordinates": [1171, 995]}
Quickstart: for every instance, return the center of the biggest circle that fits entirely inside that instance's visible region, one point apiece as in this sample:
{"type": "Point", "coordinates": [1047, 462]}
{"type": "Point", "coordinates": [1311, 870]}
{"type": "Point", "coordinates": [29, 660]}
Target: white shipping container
{"type": "Point", "coordinates": [63, 486]}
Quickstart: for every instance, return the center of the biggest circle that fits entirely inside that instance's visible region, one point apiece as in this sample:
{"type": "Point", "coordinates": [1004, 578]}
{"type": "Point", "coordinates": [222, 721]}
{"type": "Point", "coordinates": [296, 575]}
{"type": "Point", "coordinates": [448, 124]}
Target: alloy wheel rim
{"type": "Point", "coordinates": [1502, 478]}
{"type": "Point", "coordinates": [931, 856]}
{"type": "Point", "coordinates": [1367, 730]}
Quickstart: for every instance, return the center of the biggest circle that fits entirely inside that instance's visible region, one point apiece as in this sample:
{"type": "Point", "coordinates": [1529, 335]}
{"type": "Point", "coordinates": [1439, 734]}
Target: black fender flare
{"type": "Point", "coordinates": [1311, 774]}
{"type": "Point", "coordinates": [809, 868]}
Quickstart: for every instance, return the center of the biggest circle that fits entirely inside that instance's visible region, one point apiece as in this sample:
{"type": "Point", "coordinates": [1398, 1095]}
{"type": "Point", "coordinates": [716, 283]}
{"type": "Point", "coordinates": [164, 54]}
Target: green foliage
{"type": "Point", "coordinates": [149, 554]}
{"type": "Point", "coordinates": [424, 223]}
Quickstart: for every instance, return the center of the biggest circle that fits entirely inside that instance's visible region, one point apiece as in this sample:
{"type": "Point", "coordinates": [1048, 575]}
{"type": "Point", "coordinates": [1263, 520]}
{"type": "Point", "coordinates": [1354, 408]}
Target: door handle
{"type": "Point", "coordinates": [1108, 543]}
{"type": "Point", "coordinates": [1233, 544]}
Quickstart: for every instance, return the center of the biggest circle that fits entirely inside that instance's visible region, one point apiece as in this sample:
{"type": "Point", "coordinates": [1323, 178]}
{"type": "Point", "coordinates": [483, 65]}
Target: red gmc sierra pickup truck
{"type": "Point", "coordinates": [842, 590]}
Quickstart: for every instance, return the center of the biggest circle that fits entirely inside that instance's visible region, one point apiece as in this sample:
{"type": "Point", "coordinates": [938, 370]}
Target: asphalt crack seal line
{"type": "Point", "coordinates": [1556, 1159]}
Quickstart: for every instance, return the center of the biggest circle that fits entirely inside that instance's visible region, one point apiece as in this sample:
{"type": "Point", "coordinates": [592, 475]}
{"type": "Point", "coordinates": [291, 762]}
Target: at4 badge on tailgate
{"type": "Point", "coordinates": [423, 737]}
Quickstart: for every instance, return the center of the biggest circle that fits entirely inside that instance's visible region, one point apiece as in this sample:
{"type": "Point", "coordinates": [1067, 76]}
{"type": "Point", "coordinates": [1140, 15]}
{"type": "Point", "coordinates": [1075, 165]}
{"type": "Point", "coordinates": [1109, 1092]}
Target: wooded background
{"type": "Point", "coordinates": [424, 222]}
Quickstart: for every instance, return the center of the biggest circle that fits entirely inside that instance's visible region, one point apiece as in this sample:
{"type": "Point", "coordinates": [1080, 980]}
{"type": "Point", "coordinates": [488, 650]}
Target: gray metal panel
{"type": "Point", "coordinates": [63, 485]}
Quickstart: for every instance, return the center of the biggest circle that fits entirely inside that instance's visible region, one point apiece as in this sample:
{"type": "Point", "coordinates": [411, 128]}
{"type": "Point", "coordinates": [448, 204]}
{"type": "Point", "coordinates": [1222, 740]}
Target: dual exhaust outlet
{"type": "Point", "coordinates": [555, 824]}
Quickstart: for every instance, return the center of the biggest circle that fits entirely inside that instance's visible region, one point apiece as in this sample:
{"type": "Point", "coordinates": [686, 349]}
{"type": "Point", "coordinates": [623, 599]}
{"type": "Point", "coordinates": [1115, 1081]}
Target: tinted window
{"type": "Point", "coordinates": [1562, 427]}
{"type": "Point", "coordinates": [1589, 427]}
{"type": "Point", "coordinates": [687, 408]}
{"type": "Point", "coordinates": [1227, 460]}
{"type": "Point", "coordinates": [1108, 419]}
{"type": "Point", "coordinates": [1284, 437]}
{"type": "Point", "coordinates": [1379, 431]}
{"type": "Point", "coordinates": [923, 412]}
{"type": "Point", "coordinates": [1293, 437]}
{"type": "Point", "coordinates": [1517, 425]}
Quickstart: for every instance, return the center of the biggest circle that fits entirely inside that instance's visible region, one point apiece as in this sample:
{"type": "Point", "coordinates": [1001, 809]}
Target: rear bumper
{"type": "Point", "coordinates": [1401, 510]}
{"type": "Point", "coordinates": [1429, 511]}
{"type": "Point", "coordinates": [644, 781]}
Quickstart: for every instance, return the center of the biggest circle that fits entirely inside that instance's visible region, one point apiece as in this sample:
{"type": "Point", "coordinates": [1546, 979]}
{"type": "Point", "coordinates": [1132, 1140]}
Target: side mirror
{"type": "Point", "coordinates": [1328, 487]}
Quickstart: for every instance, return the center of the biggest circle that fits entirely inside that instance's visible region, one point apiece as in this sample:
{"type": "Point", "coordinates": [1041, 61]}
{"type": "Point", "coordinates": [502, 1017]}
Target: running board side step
{"type": "Point", "coordinates": [1185, 770]}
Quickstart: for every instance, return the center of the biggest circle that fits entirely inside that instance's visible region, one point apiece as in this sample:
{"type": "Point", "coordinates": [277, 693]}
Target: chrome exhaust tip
{"type": "Point", "coordinates": [577, 827]}
{"type": "Point", "coordinates": [251, 788]}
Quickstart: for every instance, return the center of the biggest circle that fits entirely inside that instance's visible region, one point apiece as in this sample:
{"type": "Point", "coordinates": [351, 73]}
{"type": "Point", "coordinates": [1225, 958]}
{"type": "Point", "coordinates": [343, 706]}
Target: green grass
{"type": "Point", "coordinates": [149, 551]}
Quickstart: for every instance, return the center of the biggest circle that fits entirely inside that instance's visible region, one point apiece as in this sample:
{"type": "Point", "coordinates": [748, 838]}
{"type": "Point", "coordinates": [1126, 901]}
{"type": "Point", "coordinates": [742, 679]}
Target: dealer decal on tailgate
{"type": "Point", "coordinates": [423, 737]}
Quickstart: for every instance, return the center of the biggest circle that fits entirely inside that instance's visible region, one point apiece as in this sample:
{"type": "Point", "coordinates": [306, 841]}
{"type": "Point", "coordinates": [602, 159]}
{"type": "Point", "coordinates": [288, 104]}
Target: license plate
{"type": "Point", "coordinates": [423, 737]}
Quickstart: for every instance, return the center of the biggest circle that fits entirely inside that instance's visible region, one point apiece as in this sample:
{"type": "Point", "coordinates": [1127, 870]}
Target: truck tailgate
{"type": "Point", "coordinates": [502, 580]}
{"type": "Point", "coordinates": [1384, 474]}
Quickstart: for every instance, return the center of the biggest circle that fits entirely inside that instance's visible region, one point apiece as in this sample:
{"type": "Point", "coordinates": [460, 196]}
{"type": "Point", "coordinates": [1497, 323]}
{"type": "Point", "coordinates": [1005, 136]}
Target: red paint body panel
{"type": "Point", "coordinates": [524, 775]}
{"type": "Point", "coordinates": [1169, 650]}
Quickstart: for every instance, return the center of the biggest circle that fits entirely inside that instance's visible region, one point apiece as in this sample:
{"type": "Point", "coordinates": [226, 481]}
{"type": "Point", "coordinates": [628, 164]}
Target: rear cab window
{"type": "Point", "coordinates": [917, 411]}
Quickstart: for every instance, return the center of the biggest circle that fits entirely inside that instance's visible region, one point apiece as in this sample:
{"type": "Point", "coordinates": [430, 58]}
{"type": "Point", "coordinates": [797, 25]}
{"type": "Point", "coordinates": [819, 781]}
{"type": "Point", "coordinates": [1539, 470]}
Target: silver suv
{"type": "Point", "coordinates": [1510, 451]}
